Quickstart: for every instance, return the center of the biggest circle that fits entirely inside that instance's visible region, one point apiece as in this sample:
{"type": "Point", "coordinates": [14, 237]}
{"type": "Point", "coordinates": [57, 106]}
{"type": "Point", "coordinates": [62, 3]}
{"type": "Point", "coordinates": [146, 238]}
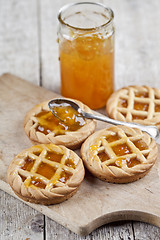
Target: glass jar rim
{"type": "Point", "coordinates": [65, 7]}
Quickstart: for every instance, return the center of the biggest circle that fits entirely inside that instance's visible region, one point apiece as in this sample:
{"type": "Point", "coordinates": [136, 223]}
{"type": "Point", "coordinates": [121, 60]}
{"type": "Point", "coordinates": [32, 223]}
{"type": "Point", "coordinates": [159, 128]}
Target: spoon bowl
{"type": "Point", "coordinates": [62, 102]}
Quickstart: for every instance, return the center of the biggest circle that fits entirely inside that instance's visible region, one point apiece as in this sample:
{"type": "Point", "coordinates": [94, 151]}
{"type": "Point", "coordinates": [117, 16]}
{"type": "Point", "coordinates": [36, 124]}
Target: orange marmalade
{"type": "Point", "coordinates": [87, 69]}
{"type": "Point", "coordinates": [69, 120]}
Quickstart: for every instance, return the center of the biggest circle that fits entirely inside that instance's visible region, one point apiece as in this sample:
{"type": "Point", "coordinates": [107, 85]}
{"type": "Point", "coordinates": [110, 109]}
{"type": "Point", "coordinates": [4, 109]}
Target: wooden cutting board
{"type": "Point", "coordinates": [96, 202]}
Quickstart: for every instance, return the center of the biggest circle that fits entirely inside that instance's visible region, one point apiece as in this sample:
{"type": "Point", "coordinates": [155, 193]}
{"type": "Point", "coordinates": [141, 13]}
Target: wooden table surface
{"type": "Point", "coordinates": [28, 49]}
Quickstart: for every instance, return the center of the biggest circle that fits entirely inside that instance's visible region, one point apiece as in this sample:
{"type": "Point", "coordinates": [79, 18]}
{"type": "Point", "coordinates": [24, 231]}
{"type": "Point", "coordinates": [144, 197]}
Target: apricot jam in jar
{"type": "Point", "coordinates": [86, 50]}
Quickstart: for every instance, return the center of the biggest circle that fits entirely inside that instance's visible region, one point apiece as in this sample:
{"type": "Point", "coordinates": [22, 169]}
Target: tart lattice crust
{"type": "Point", "coordinates": [119, 154]}
{"type": "Point", "coordinates": [139, 104]}
{"type": "Point", "coordinates": [70, 139]}
{"type": "Point", "coordinates": [46, 174]}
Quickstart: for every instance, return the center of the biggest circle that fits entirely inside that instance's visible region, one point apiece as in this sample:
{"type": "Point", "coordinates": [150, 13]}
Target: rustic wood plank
{"type": "Point", "coordinates": [121, 60]}
{"type": "Point", "coordinates": [137, 60]}
{"type": "Point", "coordinates": [49, 47]}
{"type": "Point", "coordinates": [51, 80]}
{"type": "Point", "coordinates": [19, 54]}
{"type": "Point", "coordinates": [129, 42]}
{"type": "Point", "coordinates": [137, 45]}
{"type": "Point", "coordinates": [19, 39]}
{"type": "Point", "coordinates": [64, 213]}
{"type": "Point", "coordinates": [115, 231]}
{"type": "Point", "coordinates": [144, 231]}
{"type": "Point", "coordinates": [18, 221]}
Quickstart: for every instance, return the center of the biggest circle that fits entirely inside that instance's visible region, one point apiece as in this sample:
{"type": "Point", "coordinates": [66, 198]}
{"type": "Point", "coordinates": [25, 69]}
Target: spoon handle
{"type": "Point", "coordinates": [151, 130]}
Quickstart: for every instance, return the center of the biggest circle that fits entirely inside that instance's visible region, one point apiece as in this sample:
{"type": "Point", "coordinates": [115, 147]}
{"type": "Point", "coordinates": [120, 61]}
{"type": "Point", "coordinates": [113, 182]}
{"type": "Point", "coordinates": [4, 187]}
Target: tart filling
{"type": "Point", "coordinates": [119, 154]}
{"type": "Point", "coordinates": [48, 165]}
{"type": "Point", "coordinates": [69, 128]}
{"type": "Point", "coordinates": [139, 104]}
{"type": "Point", "coordinates": [46, 174]}
{"type": "Point", "coordinates": [47, 122]}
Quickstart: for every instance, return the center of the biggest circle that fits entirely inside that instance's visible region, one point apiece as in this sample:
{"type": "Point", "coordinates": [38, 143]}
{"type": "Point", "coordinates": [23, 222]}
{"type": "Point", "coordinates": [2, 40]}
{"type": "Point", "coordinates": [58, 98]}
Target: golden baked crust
{"type": "Point", "coordinates": [45, 174]}
{"type": "Point", "coordinates": [70, 139]}
{"type": "Point", "coordinates": [119, 154]}
{"type": "Point", "coordinates": [139, 104]}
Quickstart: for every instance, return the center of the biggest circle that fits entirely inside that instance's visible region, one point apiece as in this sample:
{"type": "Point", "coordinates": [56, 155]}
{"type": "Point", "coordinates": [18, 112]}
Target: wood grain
{"type": "Point", "coordinates": [18, 224]}
{"type": "Point", "coordinates": [136, 52]}
{"type": "Point", "coordinates": [137, 61]}
{"type": "Point", "coordinates": [19, 54]}
{"type": "Point", "coordinates": [146, 231]}
{"type": "Point", "coordinates": [96, 202]}
{"type": "Point", "coordinates": [19, 39]}
{"type": "Point", "coordinates": [115, 231]}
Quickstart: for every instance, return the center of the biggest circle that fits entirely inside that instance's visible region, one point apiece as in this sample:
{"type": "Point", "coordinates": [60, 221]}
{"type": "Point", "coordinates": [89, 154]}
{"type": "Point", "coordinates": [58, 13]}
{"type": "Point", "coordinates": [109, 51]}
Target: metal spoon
{"type": "Point", "coordinates": [151, 130]}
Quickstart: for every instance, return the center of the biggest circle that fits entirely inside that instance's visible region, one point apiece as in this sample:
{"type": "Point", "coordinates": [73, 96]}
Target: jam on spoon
{"type": "Point", "coordinates": [79, 114]}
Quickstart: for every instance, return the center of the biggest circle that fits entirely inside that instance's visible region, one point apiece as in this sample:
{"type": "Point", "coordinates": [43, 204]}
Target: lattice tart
{"type": "Point", "coordinates": [45, 174]}
{"type": "Point", "coordinates": [119, 154]}
{"type": "Point", "coordinates": [41, 126]}
{"type": "Point", "coordinates": [139, 104]}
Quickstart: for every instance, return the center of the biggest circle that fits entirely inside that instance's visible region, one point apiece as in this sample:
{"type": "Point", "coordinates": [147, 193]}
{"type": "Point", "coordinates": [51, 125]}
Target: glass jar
{"type": "Point", "coordinates": [86, 50]}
